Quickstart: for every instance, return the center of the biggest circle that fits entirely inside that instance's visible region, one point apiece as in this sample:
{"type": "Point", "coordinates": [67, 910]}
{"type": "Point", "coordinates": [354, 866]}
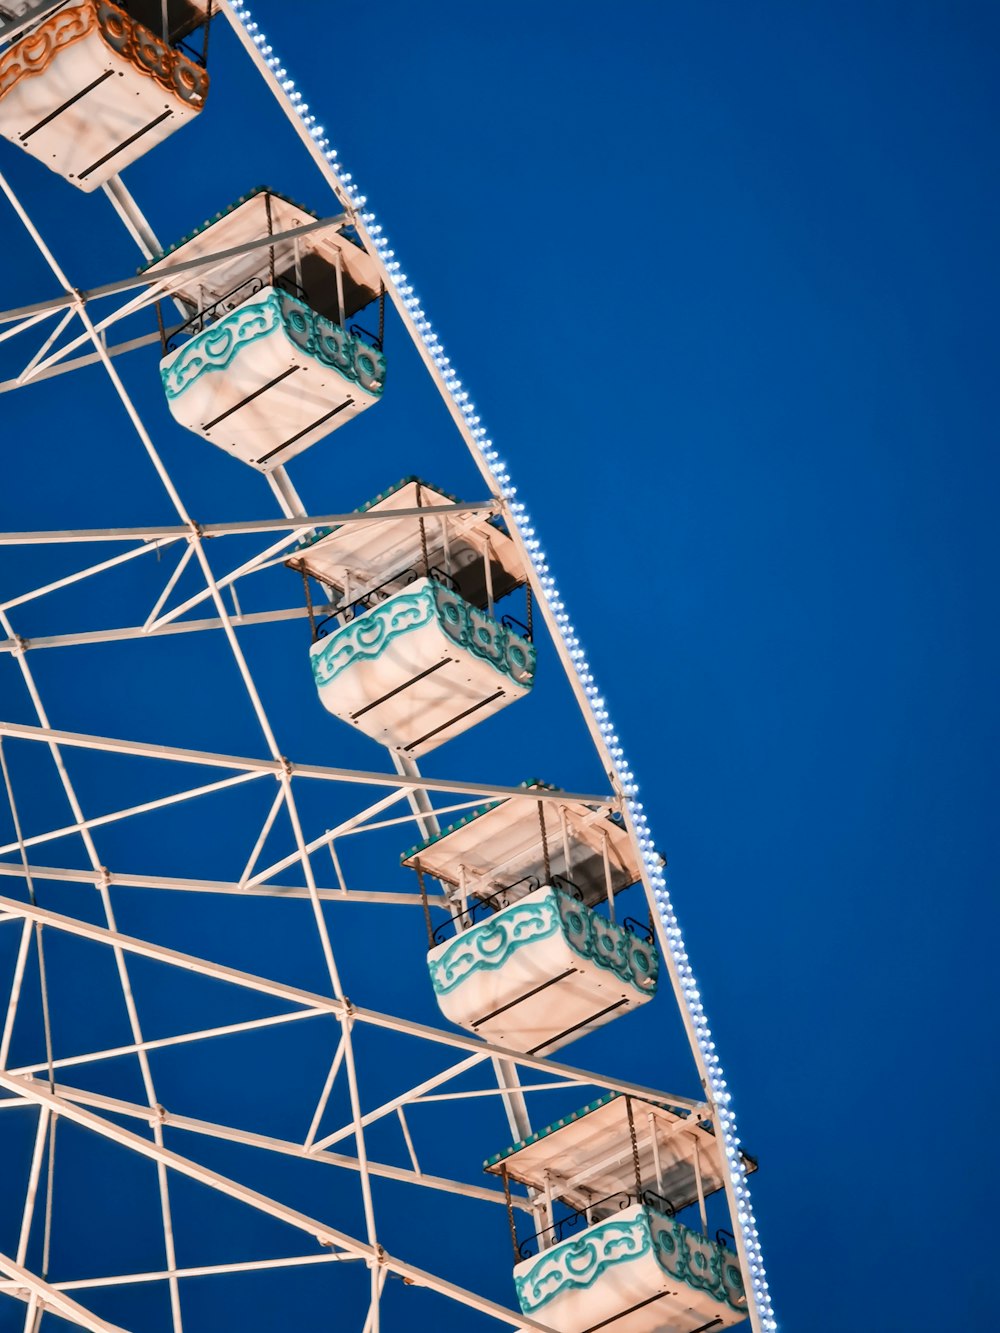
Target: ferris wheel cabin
{"type": "Point", "coordinates": [526, 961]}
{"type": "Point", "coordinates": [266, 364]}
{"type": "Point", "coordinates": [608, 1186]}
{"type": "Point", "coordinates": [92, 86]}
{"type": "Point", "coordinates": [414, 652]}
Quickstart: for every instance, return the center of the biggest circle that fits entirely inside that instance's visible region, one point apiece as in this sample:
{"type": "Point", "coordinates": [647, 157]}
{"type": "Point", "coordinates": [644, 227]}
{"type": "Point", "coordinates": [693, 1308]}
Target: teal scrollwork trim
{"type": "Point", "coordinates": [491, 945]}
{"type": "Point", "coordinates": [697, 1261]}
{"type": "Point", "coordinates": [485, 637]}
{"type": "Point", "coordinates": [367, 638]}
{"type": "Point", "coordinates": [331, 345]}
{"type": "Point", "coordinates": [488, 947]}
{"type": "Point", "coordinates": [216, 347]}
{"type": "Point", "coordinates": [593, 937]}
{"type": "Point", "coordinates": [578, 1264]}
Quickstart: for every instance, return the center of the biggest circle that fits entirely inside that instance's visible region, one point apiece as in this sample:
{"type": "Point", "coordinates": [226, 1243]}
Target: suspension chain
{"type": "Point", "coordinates": [309, 602]}
{"type": "Point", "coordinates": [426, 905]}
{"type": "Point", "coordinates": [545, 843]}
{"type": "Point", "coordinates": [635, 1148]}
{"type": "Point", "coordinates": [270, 232]}
{"type": "Point", "coordinates": [510, 1211]}
{"type": "Point", "coordinates": [423, 533]}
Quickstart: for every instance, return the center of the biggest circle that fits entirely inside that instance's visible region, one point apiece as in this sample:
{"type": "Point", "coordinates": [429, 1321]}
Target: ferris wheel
{"type": "Point", "coordinates": [302, 1023]}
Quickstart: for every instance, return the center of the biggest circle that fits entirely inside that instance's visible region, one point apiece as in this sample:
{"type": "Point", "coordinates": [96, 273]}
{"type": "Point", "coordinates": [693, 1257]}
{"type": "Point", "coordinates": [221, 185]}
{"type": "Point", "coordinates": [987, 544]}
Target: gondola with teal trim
{"type": "Point", "coordinates": [414, 650]}
{"type": "Point", "coordinates": [527, 960]}
{"type": "Point", "coordinates": [620, 1192]}
{"type": "Point", "coordinates": [268, 360]}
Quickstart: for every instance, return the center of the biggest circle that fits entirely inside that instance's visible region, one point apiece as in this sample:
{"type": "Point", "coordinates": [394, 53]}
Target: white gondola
{"type": "Point", "coordinates": [89, 88]}
{"type": "Point", "coordinates": [413, 653]}
{"type": "Point", "coordinates": [607, 1184]}
{"type": "Point", "coordinates": [267, 365]}
{"type": "Point", "coordinates": [526, 961]}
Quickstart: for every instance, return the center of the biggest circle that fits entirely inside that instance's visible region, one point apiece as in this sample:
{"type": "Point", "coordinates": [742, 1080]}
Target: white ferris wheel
{"type": "Point", "coordinates": [314, 952]}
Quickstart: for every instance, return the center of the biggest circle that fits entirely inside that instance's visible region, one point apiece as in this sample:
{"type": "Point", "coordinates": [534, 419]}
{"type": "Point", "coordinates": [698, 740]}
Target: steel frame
{"type": "Point", "coordinates": [34, 1085]}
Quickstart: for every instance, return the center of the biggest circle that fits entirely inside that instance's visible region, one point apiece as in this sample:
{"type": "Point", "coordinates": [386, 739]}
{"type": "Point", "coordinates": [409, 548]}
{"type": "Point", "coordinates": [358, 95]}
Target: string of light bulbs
{"type": "Point", "coordinates": [719, 1090]}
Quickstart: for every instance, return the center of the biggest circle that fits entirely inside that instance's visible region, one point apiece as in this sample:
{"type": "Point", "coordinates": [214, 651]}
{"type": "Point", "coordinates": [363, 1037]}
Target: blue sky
{"type": "Point", "coordinates": [721, 279]}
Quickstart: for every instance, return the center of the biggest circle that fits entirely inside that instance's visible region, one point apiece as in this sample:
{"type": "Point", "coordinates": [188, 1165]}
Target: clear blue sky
{"type": "Point", "coordinates": [722, 280]}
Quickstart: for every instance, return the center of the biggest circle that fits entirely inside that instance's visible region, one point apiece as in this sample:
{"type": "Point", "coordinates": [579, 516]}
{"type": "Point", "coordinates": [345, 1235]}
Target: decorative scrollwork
{"type": "Point", "coordinates": [597, 1211]}
{"type": "Point", "coordinates": [211, 313]}
{"type": "Point", "coordinates": [491, 944]}
{"type": "Point", "coordinates": [348, 611]}
{"type": "Point", "coordinates": [486, 905]}
{"type": "Point", "coordinates": [697, 1261]}
{"type": "Point", "coordinates": [637, 1230]}
{"type": "Point", "coordinates": [33, 54]}
{"type": "Point", "coordinates": [591, 935]}
{"type": "Point", "coordinates": [577, 1264]}
{"type": "Point", "coordinates": [128, 39]}
{"type": "Point", "coordinates": [485, 637]}
{"type": "Point", "coordinates": [151, 54]}
{"type": "Point", "coordinates": [214, 348]}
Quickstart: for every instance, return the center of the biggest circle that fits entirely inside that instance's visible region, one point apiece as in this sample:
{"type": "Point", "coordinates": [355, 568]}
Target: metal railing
{"type": "Point", "coordinates": [518, 626]}
{"type": "Point", "coordinates": [489, 904]}
{"type": "Point", "coordinates": [585, 1216]}
{"type": "Point", "coordinates": [640, 928]}
{"type": "Point", "coordinates": [203, 318]}
{"type": "Point", "coordinates": [372, 339]}
{"type": "Point", "coordinates": [356, 606]}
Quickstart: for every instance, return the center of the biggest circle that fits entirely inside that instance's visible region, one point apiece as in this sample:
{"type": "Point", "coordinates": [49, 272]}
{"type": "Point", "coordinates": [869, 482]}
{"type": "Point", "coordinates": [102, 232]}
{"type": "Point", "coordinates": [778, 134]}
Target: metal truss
{"type": "Point", "coordinates": [74, 329]}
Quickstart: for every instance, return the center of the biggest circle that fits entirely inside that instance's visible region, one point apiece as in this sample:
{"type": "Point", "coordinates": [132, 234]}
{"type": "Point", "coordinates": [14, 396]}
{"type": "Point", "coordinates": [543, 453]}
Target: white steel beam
{"type": "Point", "coordinates": [284, 1147]}
{"type": "Point", "coordinates": [159, 1043]}
{"type": "Point", "coordinates": [325, 1235]}
{"type": "Point", "coordinates": [79, 362]}
{"type": "Point", "coordinates": [206, 1270]}
{"type": "Point", "coordinates": [78, 299]}
{"type": "Point", "coordinates": [300, 523]}
{"type": "Point", "coordinates": [86, 638]}
{"type": "Point", "coordinates": [279, 767]}
{"type": "Point", "coordinates": [326, 1003]}
{"type": "Point", "coordinates": [122, 879]}
{"type": "Point", "coordinates": [51, 1298]}
{"type": "Point", "coordinates": [147, 807]}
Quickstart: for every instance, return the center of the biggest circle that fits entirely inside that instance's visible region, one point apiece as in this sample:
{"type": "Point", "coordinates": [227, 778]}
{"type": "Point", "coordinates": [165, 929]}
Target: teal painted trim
{"type": "Point", "coordinates": [215, 348]}
{"type": "Point", "coordinates": [530, 785]}
{"type": "Point", "coordinates": [478, 633]}
{"type": "Point", "coordinates": [697, 1261]}
{"type": "Point", "coordinates": [489, 947]}
{"type": "Point", "coordinates": [683, 1254]}
{"type": "Point", "coordinates": [320, 533]}
{"type": "Point", "coordinates": [600, 941]}
{"type": "Point", "coordinates": [577, 1264]}
{"type": "Point", "coordinates": [367, 637]}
